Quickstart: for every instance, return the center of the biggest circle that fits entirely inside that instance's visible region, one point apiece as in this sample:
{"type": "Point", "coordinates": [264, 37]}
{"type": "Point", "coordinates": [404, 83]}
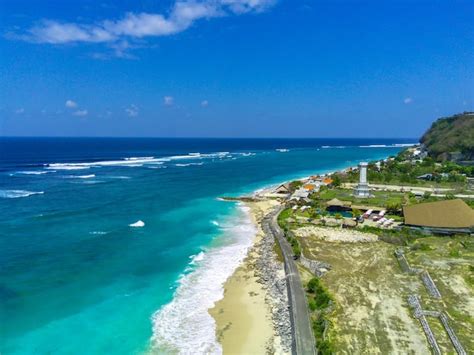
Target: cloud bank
{"type": "Point", "coordinates": [182, 15]}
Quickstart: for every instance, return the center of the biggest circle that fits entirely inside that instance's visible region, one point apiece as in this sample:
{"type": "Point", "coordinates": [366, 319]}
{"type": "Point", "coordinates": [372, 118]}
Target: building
{"type": "Point", "coordinates": [443, 217]}
{"type": "Point", "coordinates": [362, 189]}
{"type": "Point", "coordinates": [299, 194]}
{"type": "Point", "coordinates": [336, 205]}
{"type": "Point", "coordinates": [283, 189]}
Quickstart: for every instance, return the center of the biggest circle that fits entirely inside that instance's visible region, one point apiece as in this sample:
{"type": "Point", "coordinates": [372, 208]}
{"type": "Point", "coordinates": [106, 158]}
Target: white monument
{"type": "Point", "coordinates": [362, 189]}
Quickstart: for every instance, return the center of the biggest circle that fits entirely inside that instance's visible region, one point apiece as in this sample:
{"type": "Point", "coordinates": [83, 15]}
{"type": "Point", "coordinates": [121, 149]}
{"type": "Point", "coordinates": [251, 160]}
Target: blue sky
{"type": "Point", "coordinates": [233, 68]}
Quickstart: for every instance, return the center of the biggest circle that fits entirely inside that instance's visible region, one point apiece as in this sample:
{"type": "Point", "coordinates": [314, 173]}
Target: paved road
{"type": "Point", "coordinates": [303, 338]}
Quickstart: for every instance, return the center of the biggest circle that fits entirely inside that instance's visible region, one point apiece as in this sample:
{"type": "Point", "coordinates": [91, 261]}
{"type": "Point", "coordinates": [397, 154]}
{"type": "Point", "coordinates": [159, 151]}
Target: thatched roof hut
{"type": "Point", "coordinates": [450, 215]}
{"type": "Point", "coordinates": [338, 203]}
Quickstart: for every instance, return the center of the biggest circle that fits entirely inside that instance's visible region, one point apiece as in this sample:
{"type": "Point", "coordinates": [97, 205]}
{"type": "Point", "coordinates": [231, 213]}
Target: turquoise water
{"type": "Point", "coordinates": [76, 277]}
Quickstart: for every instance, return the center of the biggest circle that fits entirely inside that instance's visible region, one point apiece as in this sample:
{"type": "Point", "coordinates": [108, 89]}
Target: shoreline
{"type": "Point", "coordinates": [248, 318]}
{"type": "Point", "coordinates": [252, 316]}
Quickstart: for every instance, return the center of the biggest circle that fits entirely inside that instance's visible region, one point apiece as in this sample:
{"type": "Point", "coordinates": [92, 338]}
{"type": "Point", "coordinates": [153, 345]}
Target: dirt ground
{"type": "Point", "coordinates": [372, 314]}
{"type": "Point", "coordinates": [450, 262]}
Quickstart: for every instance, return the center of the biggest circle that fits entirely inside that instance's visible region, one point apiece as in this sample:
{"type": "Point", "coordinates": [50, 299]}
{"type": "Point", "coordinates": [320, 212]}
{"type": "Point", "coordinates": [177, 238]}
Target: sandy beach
{"type": "Point", "coordinates": [244, 323]}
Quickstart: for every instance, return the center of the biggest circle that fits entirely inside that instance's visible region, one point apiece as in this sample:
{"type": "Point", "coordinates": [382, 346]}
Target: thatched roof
{"type": "Point", "coordinates": [283, 188]}
{"type": "Point", "coordinates": [440, 214]}
{"type": "Point", "coordinates": [337, 203]}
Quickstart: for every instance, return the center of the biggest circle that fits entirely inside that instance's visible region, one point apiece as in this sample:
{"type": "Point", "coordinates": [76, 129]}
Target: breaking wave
{"type": "Point", "coordinates": [18, 193]}
{"type": "Point", "coordinates": [135, 161]}
{"type": "Point", "coordinates": [184, 325]}
{"type": "Point", "coordinates": [32, 172]}
{"type": "Point", "coordinates": [396, 145]}
{"type": "Point", "coordinates": [137, 224]}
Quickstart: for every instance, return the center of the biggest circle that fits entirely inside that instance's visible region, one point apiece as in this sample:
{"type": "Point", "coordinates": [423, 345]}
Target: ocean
{"type": "Point", "coordinates": [115, 245]}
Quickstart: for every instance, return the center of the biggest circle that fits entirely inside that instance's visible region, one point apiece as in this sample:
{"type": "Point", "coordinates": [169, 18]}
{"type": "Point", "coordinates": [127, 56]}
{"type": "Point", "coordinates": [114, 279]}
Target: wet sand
{"type": "Point", "coordinates": [243, 318]}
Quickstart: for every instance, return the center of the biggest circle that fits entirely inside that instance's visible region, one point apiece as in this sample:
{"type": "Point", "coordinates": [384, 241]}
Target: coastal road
{"type": "Point", "coordinates": [303, 338]}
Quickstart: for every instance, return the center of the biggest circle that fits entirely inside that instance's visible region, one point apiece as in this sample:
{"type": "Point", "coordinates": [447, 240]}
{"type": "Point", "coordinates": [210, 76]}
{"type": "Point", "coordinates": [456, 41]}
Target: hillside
{"type": "Point", "coordinates": [451, 138]}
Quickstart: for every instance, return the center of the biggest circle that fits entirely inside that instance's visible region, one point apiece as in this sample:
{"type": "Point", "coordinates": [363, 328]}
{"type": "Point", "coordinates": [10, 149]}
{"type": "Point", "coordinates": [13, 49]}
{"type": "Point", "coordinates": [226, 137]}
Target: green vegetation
{"type": "Point", "coordinates": [295, 246]}
{"type": "Point", "coordinates": [294, 185]}
{"type": "Point", "coordinates": [389, 200]}
{"type": "Point", "coordinates": [319, 302]}
{"type": "Point", "coordinates": [401, 170]}
{"type": "Point", "coordinates": [451, 138]}
{"type": "Point", "coordinates": [282, 217]}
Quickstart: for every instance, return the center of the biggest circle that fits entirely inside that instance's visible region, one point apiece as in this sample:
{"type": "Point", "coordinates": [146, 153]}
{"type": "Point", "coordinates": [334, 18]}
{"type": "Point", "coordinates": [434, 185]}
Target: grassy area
{"type": "Point", "coordinates": [320, 303]}
{"type": "Point", "coordinates": [282, 218]}
{"type": "Point", "coordinates": [405, 169]}
{"type": "Point", "coordinates": [380, 198]}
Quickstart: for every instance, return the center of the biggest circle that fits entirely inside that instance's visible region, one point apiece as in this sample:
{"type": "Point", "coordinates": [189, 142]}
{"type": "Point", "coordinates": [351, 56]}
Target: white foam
{"type": "Point", "coordinates": [196, 258]}
{"type": "Point", "coordinates": [139, 158]}
{"type": "Point", "coordinates": [137, 224]}
{"type": "Point", "coordinates": [66, 167]}
{"type": "Point", "coordinates": [215, 223]}
{"type": "Point", "coordinates": [35, 172]}
{"type": "Point", "coordinates": [397, 145]}
{"type": "Point", "coordinates": [282, 150]}
{"type": "Point", "coordinates": [134, 161]}
{"type": "Point", "coordinates": [18, 193]}
{"type": "Point", "coordinates": [184, 325]}
{"type": "Point", "coordinates": [80, 176]}
{"type": "Point", "coordinates": [374, 146]}
{"type": "Point", "coordinates": [404, 144]}
{"type": "Point", "coordinates": [98, 233]}
{"type": "Point", "coordinates": [189, 164]}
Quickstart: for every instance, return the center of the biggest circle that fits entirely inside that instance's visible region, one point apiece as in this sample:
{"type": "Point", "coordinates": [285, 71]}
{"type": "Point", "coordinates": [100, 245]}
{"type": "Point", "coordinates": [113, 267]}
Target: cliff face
{"type": "Point", "coordinates": [451, 138]}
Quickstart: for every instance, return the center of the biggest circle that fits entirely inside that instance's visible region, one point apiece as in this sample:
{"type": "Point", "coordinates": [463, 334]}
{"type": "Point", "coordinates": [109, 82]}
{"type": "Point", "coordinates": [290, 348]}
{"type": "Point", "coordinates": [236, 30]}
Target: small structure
{"type": "Point", "coordinates": [310, 187]}
{"type": "Point", "coordinates": [335, 205]}
{"type": "Point", "coordinates": [444, 217]}
{"type": "Point", "coordinates": [427, 177]}
{"type": "Point", "coordinates": [327, 181]}
{"type": "Point", "coordinates": [283, 189]}
{"type": "Point", "coordinates": [349, 223]}
{"type": "Point", "coordinates": [362, 189]}
{"type": "Point", "coordinates": [299, 194]}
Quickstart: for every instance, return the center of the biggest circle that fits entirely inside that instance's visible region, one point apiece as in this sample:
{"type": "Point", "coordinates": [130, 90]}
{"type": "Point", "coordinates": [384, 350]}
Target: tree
{"type": "Point", "coordinates": [356, 213]}
{"type": "Point", "coordinates": [336, 180]}
{"type": "Point", "coordinates": [393, 207]}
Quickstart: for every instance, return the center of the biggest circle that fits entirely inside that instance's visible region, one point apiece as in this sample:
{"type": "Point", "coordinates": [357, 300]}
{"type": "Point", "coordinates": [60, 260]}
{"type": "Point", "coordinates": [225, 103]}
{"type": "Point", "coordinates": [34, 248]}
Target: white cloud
{"type": "Point", "coordinates": [204, 103]}
{"type": "Point", "coordinates": [132, 111]}
{"type": "Point", "coordinates": [70, 104]}
{"type": "Point", "coordinates": [407, 100]}
{"type": "Point", "coordinates": [20, 111]}
{"type": "Point", "coordinates": [168, 100]}
{"type": "Point", "coordinates": [182, 15]}
{"type": "Point", "coordinates": [81, 113]}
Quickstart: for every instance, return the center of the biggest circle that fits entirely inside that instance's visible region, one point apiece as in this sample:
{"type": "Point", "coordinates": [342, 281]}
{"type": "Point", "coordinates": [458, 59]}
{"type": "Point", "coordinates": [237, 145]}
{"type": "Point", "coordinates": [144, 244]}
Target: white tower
{"type": "Point", "coordinates": [362, 189]}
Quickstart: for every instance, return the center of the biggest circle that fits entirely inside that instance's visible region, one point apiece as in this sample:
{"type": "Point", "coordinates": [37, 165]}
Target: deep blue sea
{"type": "Point", "coordinates": [119, 246]}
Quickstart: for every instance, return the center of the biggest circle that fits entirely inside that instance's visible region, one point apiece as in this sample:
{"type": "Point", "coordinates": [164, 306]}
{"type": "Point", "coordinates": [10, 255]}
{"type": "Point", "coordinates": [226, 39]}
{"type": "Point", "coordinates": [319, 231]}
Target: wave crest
{"type": "Point", "coordinates": [184, 325]}
{"type": "Point", "coordinates": [18, 193]}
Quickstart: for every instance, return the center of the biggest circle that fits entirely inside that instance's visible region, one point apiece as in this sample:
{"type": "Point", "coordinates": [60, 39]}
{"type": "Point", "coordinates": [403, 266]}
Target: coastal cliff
{"type": "Point", "coordinates": [451, 138]}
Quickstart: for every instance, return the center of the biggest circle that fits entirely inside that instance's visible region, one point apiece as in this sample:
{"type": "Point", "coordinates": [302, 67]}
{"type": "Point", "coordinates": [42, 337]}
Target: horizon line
{"type": "Point", "coordinates": [191, 137]}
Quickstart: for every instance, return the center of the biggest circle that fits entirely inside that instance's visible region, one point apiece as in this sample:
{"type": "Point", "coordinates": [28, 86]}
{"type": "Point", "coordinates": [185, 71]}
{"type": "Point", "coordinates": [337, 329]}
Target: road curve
{"type": "Point", "coordinates": [303, 339]}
